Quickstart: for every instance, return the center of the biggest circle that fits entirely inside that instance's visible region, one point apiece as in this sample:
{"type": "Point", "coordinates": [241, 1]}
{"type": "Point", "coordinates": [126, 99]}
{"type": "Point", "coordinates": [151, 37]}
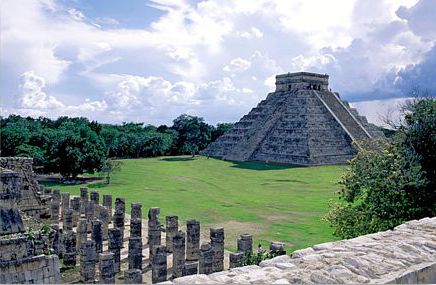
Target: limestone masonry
{"type": "Point", "coordinates": [301, 123]}
{"type": "Point", "coordinates": [406, 255]}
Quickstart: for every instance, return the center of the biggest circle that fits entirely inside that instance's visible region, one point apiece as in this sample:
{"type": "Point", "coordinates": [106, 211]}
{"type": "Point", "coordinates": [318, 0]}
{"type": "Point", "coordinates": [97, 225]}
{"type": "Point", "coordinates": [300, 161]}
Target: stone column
{"type": "Point", "coordinates": [172, 226]}
{"type": "Point", "coordinates": [277, 248]}
{"type": "Point", "coordinates": [135, 253]}
{"type": "Point", "coordinates": [70, 247]}
{"type": "Point", "coordinates": [191, 268]}
{"type": "Point", "coordinates": [54, 209]}
{"type": "Point", "coordinates": [135, 228]}
{"type": "Point", "coordinates": [107, 273]}
{"type": "Point", "coordinates": [83, 199]}
{"type": "Point", "coordinates": [159, 264]}
{"type": "Point", "coordinates": [57, 240]}
{"type": "Point", "coordinates": [154, 229]}
{"type": "Point", "coordinates": [87, 262]}
{"type": "Point", "coordinates": [245, 244]}
{"type": "Point", "coordinates": [133, 276]}
{"type": "Point", "coordinates": [178, 254]}
{"type": "Point", "coordinates": [235, 259]}
{"type": "Point", "coordinates": [136, 212]}
{"type": "Point", "coordinates": [68, 220]}
{"type": "Point", "coordinates": [89, 215]}
{"type": "Point", "coordinates": [205, 264]}
{"type": "Point", "coordinates": [107, 202]}
{"type": "Point", "coordinates": [94, 196]}
{"type": "Point", "coordinates": [104, 218]}
{"type": "Point", "coordinates": [82, 233]}
{"type": "Point", "coordinates": [97, 236]}
{"type": "Point", "coordinates": [65, 203]}
{"type": "Point", "coordinates": [192, 240]}
{"type": "Point", "coordinates": [56, 195]}
{"type": "Point", "coordinates": [75, 205]}
{"type": "Point", "coordinates": [217, 243]}
{"type": "Point", "coordinates": [114, 246]}
{"type": "Point", "coordinates": [118, 218]}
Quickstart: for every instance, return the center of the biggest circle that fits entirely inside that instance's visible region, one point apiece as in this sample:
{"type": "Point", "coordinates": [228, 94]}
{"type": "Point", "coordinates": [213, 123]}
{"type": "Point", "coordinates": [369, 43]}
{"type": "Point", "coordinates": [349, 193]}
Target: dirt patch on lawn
{"type": "Point", "coordinates": [180, 178]}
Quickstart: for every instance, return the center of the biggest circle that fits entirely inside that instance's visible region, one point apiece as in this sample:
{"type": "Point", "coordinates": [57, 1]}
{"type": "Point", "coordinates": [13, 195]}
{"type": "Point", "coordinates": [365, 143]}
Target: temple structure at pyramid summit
{"type": "Point", "coordinates": [301, 123]}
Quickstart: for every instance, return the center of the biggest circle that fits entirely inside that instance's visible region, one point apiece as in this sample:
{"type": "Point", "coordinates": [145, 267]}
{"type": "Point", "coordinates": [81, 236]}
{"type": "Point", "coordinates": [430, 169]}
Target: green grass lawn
{"type": "Point", "coordinates": [273, 202]}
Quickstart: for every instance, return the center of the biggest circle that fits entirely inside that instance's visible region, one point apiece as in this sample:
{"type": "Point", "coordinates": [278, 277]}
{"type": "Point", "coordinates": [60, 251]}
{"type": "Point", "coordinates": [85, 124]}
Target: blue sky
{"type": "Point", "coordinates": [149, 61]}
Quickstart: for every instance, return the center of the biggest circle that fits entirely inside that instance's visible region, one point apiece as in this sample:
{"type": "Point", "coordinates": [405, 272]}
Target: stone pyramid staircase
{"type": "Point", "coordinates": [343, 115]}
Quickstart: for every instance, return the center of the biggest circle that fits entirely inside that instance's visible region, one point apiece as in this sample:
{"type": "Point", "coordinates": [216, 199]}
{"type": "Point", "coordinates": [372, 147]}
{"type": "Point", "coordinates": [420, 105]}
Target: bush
{"type": "Point", "coordinates": [390, 181]}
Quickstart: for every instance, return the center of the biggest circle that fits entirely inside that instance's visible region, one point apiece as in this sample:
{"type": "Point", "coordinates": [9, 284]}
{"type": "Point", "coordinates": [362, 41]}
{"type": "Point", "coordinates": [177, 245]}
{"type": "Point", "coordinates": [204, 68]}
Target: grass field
{"type": "Point", "coordinates": [273, 202]}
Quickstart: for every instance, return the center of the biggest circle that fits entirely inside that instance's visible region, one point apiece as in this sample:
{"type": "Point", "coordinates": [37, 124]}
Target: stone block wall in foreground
{"type": "Point", "coordinates": [405, 255]}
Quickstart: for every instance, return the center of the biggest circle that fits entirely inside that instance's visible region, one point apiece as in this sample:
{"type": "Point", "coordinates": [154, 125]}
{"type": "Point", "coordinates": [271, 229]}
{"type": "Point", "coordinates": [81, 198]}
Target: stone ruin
{"type": "Point", "coordinates": [301, 123]}
{"type": "Point", "coordinates": [121, 249]}
{"type": "Point", "coordinates": [31, 199]}
{"type": "Point", "coordinates": [24, 258]}
{"type": "Point", "coordinates": [405, 255]}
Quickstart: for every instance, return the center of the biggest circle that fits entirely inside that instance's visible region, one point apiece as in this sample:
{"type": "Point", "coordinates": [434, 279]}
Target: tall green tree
{"type": "Point", "coordinates": [194, 133]}
{"type": "Point", "coordinates": [390, 181]}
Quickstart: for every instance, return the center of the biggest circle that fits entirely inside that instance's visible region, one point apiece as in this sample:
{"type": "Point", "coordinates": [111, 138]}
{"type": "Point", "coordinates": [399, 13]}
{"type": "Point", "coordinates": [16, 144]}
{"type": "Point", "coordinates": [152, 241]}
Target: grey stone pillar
{"type": "Point", "coordinates": [56, 195]}
{"type": "Point", "coordinates": [119, 215]}
{"type": "Point", "coordinates": [107, 272]}
{"type": "Point", "coordinates": [94, 196]}
{"type": "Point", "coordinates": [57, 240]}
{"type": "Point", "coordinates": [114, 246]}
{"type": "Point", "coordinates": [205, 264]}
{"type": "Point", "coordinates": [133, 276]}
{"type": "Point", "coordinates": [136, 212]}
{"type": "Point", "coordinates": [88, 260]}
{"type": "Point", "coordinates": [82, 233]}
{"type": "Point", "coordinates": [65, 203]}
{"type": "Point", "coordinates": [191, 268]}
{"type": "Point", "coordinates": [90, 210]}
{"type": "Point", "coordinates": [104, 218]}
{"type": "Point", "coordinates": [68, 220]}
{"type": "Point", "coordinates": [135, 253]}
{"type": "Point", "coordinates": [154, 229]}
{"type": "Point", "coordinates": [192, 240]}
{"type": "Point", "coordinates": [89, 214]}
{"type": "Point", "coordinates": [178, 254]}
{"type": "Point", "coordinates": [245, 244]}
{"type": "Point", "coordinates": [172, 226]}
{"type": "Point", "coordinates": [159, 264]}
{"type": "Point", "coordinates": [55, 209]}
{"type": "Point", "coordinates": [217, 244]}
{"type": "Point", "coordinates": [277, 248]}
{"type": "Point", "coordinates": [235, 259]}
{"type": "Point", "coordinates": [75, 205]}
{"type": "Point", "coordinates": [83, 199]}
{"type": "Point", "coordinates": [70, 247]}
{"type": "Point", "coordinates": [107, 202]}
{"type": "Point", "coordinates": [97, 236]}
{"type": "Point", "coordinates": [135, 228]}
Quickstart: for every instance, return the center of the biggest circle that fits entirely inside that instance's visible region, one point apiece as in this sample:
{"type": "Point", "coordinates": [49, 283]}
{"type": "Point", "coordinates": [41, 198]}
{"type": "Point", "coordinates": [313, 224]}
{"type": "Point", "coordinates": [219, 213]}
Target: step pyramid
{"type": "Point", "coordinates": [301, 123]}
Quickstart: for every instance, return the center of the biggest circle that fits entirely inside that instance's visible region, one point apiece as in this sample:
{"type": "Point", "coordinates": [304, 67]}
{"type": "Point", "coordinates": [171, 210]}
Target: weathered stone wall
{"type": "Point", "coordinates": [41, 269]}
{"type": "Point", "coordinates": [10, 218]}
{"type": "Point", "coordinates": [31, 200]}
{"type": "Point", "coordinates": [18, 264]}
{"type": "Point", "coordinates": [403, 256]}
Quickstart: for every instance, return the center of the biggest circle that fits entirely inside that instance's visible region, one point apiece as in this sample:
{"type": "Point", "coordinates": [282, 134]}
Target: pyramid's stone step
{"type": "Point", "coordinates": [343, 115]}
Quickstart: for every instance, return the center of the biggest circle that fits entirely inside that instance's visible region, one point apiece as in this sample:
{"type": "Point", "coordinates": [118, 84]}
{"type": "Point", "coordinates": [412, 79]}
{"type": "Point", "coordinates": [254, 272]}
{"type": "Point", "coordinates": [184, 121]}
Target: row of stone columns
{"type": "Point", "coordinates": [188, 256]}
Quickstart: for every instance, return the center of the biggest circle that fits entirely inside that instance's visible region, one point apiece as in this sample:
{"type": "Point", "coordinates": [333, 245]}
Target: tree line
{"type": "Point", "coordinates": [73, 146]}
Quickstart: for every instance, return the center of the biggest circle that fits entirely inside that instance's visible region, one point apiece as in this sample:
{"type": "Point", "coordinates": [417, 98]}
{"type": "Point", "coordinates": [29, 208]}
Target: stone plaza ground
{"type": "Point", "coordinates": [272, 202]}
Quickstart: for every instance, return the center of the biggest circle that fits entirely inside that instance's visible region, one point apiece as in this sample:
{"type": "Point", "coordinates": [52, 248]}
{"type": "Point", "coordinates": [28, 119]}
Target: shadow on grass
{"type": "Point", "coordinates": [254, 165]}
{"type": "Point", "coordinates": [174, 159]}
